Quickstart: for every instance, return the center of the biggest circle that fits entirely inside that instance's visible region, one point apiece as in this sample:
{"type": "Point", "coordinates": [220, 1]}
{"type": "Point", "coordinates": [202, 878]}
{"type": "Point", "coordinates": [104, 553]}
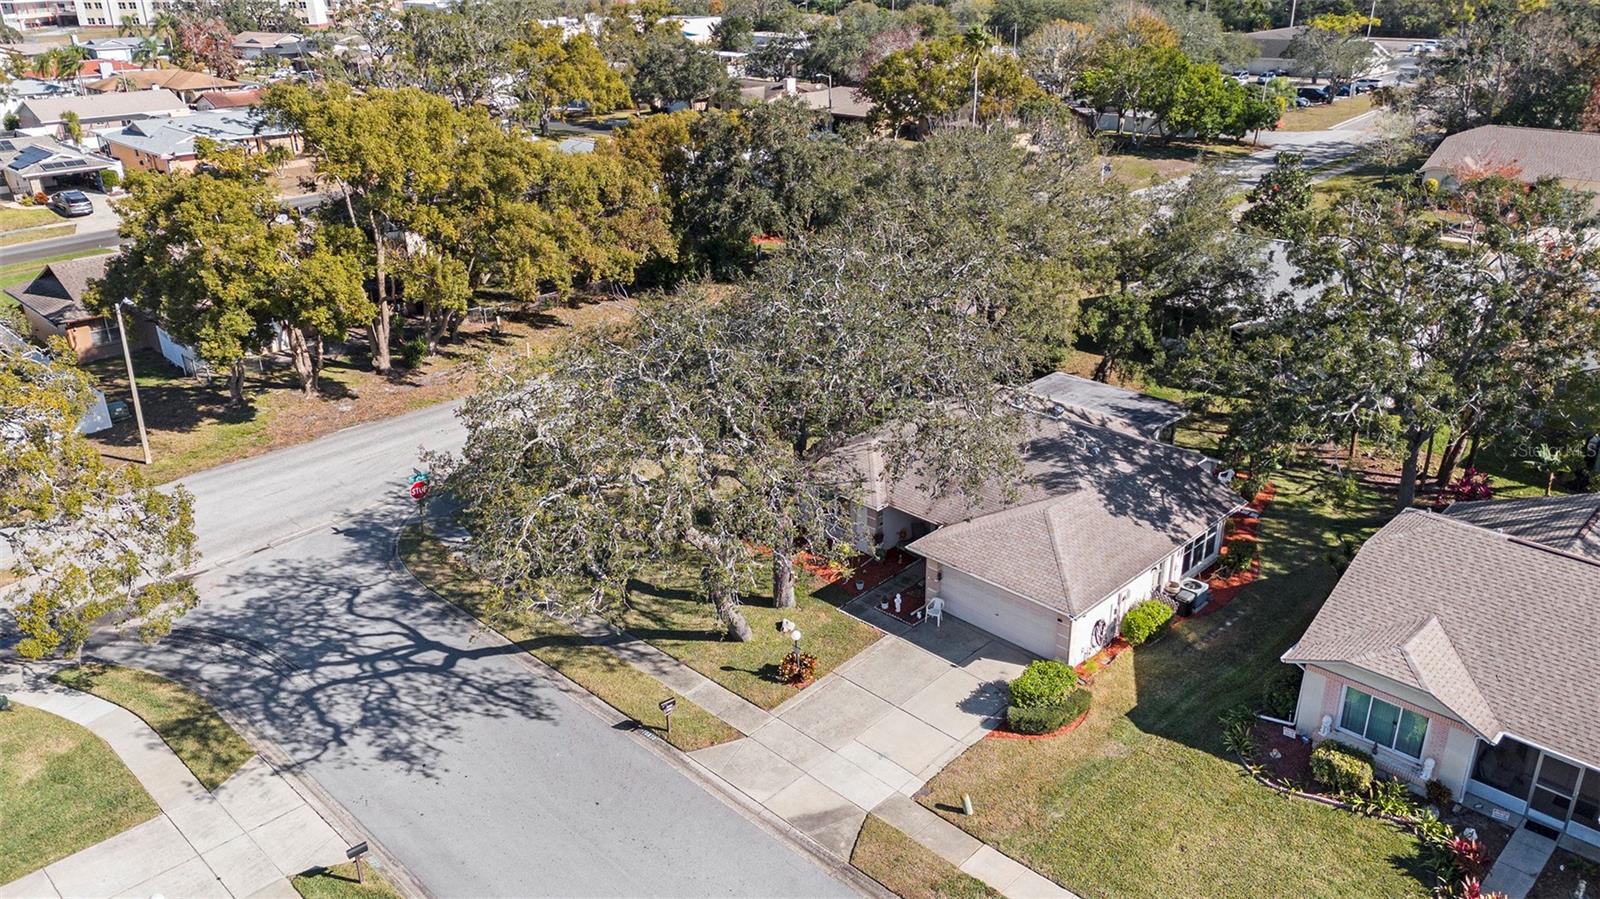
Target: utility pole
{"type": "Point", "coordinates": [1293, 5]}
{"type": "Point", "coordinates": [138, 411]}
{"type": "Point", "coordinates": [1372, 17]}
{"type": "Point", "coordinates": [977, 58]}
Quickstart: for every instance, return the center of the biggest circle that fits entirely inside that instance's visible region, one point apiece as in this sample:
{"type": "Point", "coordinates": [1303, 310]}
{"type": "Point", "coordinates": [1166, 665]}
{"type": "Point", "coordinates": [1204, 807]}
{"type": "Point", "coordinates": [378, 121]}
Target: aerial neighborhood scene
{"type": "Point", "coordinates": [800, 448]}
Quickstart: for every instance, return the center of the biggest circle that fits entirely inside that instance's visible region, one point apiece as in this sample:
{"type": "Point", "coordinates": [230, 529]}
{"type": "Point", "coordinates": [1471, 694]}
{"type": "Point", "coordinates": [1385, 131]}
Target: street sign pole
{"type": "Point", "coordinates": [666, 706]}
{"type": "Point", "coordinates": [133, 385]}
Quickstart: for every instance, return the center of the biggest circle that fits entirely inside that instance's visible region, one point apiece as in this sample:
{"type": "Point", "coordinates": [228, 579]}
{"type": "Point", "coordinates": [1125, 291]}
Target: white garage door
{"type": "Point", "coordinates": [1027, 624]}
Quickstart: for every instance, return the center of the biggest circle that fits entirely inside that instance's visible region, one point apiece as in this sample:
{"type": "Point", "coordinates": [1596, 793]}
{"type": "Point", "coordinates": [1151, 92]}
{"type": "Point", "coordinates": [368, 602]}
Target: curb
{"type": "Point", "coordinates": [841, 869]}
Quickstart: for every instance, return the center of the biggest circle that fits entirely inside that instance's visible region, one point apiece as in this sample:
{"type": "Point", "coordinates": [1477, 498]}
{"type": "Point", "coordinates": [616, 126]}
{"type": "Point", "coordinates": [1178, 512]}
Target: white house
{"type": "Point", "coordinates": [1462, 648]}
{"type": "Point", "coordinates": [1101, 520]}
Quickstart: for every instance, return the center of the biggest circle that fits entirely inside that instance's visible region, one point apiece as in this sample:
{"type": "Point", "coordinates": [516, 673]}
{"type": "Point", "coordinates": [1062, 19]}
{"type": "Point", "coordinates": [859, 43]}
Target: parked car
{"type": "Point", "coordinates": [1364, 85]}
{"type": "Point", "coordinates": [1315, 94]}
{"type": "Point", "coordinates": [1301, 102]}
{"type": "Point", "coordinates": [71, 203]}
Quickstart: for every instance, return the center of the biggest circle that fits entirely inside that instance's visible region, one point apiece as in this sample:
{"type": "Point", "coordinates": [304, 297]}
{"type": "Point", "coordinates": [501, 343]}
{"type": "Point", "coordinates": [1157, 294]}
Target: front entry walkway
{"type": "Point", "coordinates": [1519, 864]}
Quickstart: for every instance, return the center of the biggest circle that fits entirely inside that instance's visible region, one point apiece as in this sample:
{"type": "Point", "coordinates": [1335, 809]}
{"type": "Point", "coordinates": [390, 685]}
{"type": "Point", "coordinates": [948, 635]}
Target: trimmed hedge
{"type": "Point", "coordinates": [1341, 768]}
{"type": "Point", "coordinates": [1046, 719]}
{"type": "Point", "coordinates": [1144, 620]}
{"type": "Point", "coordinates": [1045, 682]}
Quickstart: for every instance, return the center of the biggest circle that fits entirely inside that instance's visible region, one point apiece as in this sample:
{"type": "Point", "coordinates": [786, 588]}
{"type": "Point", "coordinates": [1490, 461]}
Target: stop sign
{"type": "Point", "coordinates": [419, 490]}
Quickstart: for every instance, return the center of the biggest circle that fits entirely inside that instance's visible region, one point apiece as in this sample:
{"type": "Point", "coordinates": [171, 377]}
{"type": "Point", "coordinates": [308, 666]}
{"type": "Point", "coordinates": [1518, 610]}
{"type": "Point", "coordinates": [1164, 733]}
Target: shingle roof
{"type": "Point", "coordinates": [1538, 152]}
{"type": "Point", "coordinates": [1498, 628]}
{"type": "Point", "coordinates": [91, 107]}
{"type": "Point", "coordinates": [1565, 522]}
{"type": "Point", "coordinates": [231, 99]}
{"type": "Point", "coordinates": [264, 39]}
{"type": "Point", "coordinates": [176, 136]}
{"type": "Point", "coordinates": [1109, 407]}
{"type": "Point", "coordinates": [1093, 509]}
{"type": "Point", "coordinates": [56, 294]}
{"type": "Point", "coordinates": [30, 155]}
{"type": "Point", "coordinates": [171, 79]}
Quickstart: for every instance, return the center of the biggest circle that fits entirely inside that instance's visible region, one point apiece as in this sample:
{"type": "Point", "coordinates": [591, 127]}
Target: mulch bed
{"type": "Point", "coordinates": [912, 601]}
{"type": "Point", "coordinates": [1063, 730]}
{"type": "Point", "coordinates": [865, 570]}
{"type": "Point", "coordinates": [1225, 588]}
{"type": "Point", "coordinates": [1292, 762]}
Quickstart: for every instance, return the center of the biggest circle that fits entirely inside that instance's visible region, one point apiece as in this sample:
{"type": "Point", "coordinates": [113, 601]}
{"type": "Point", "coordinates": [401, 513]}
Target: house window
{"type": "Point", "coordinates": [1507, 767]}
{"type": "Point", "coordinates": [1384, 723]}
{"type": "Point", "coordinates": [102, 333]}
{"type": "Point", "coordinates": [1198, 550]}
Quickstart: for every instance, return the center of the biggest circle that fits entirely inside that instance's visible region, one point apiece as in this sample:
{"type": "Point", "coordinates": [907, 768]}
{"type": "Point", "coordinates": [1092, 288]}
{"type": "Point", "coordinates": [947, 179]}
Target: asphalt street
{"type": "Point", "coordinates": [475, 771]}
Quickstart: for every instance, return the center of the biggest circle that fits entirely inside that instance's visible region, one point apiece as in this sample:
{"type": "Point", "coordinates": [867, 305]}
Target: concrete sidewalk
{"type": "Point", "coordinates": [864, 738]}
{"type": "Point", "coordinates": [244, 840]}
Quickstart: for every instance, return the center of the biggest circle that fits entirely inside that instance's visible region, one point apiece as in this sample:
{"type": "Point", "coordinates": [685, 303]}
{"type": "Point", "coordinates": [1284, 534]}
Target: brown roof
{"type": "Point", "coordinates": [1498, 628]}
{"type": "Point", "coordinates": [1564, 522]}
{"type": "Point", "coordinates": [230, 99]}
{"type": "Point", "coordinates": [56, 294]}
{"type": "Point", "coordinates": [1094, 508]}
{"type": "Point", "coordinates": [171, 79]}
{"type": "Point", "coordinates": [1538, 152]}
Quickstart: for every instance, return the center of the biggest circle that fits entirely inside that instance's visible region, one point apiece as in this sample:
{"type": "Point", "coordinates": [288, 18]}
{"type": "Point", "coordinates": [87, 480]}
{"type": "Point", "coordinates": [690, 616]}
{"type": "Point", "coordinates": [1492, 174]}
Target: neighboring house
{"type": "Point", "coordinates": [19, 90]}
{"type": "Point", "coordinates": [235, 99]}
{"type": "Point", "coordinates": [121, 49]}
{"type": "Point", "coordinates": [186, 84]}
{"type": "Point", "coordinates": [96, 418]}
{"type": "Point", "coordinates": [1461, 647]}
{"type": "Point", "coordinates": [98, 112]}
{"type": "Point", "coordinates": [256, 44]}
{"type": "Point", "coordinates": [1525, 154]}
{"type": "Point", "coordinates": [1273, 54]}
{"type": "Point", "coordinates": [1101, 520]}
{"type": "Point", "coordinates": [34, 164]}
{"type": "Point", "coordinates": [842, 101]}
{"type": "Point", "coordinates": [1092, 402]}
{"type": "Point", "coordinates": [165, 145]}
{"type": "Point", "coordinates": [697, 29]}
{"type": "Point", "coordinates": [53, 304]}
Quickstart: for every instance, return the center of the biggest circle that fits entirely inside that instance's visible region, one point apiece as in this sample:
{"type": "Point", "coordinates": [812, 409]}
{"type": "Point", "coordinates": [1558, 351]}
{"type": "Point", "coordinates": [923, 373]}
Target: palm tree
{"type": "Point", "coordinates": [149, 50]}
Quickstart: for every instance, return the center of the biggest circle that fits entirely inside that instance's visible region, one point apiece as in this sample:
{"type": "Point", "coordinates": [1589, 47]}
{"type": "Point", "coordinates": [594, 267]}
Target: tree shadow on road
{"type": "Point", "coordinates": [328, 650]}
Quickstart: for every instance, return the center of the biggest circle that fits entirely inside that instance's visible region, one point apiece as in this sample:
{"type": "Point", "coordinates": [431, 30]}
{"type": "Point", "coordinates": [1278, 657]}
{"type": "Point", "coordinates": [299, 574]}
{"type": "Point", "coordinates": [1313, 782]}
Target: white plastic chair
{"type": "Point", "coordinates": [935, 610]}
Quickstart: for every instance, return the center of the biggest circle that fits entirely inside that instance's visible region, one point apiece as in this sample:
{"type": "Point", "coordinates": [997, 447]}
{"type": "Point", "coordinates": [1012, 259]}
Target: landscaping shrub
{"type": "Point", "coordinates": [41, 197]}
{"type": "Point", "coordinates": [413, 351]}
{"type": "Point", "coordinates": [1439, 795]}
{"type": "Point", "coordinates": [1144, 620]}
{"type": "Point", "coordinates": [797, 670]}
{"type": "Point", "coordinates": [1241, 552]}
{"type": "Point", "coordinates": [1046, 719]}
{"type": "Point", "coordinates": [1340, 768]}
{"type": "Point", "coordinates": [109, 179]}
{"type": "Point", "coordinates": [25, 200]}
{"type": "Point", "coordinates": [1281, 693]}
{"type": "Point", "coordinates": [1045, 682]}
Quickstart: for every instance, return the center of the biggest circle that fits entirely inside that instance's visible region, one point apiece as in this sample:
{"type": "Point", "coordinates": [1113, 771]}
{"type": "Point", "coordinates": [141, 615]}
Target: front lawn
{"type": "Point", "coordinates": [596, 669]}
{"type": "Point", "coordinates": [1155, 162]}
{"type": "Point", "coordinates": [1323, 116]}
{"type": "Point", "coordinates": [13, 218]}
{"type": "Point", "coordinates": [12, 238]}
{"type": "Point", "coordinates": [1142, 800]}
{"type": "Point", "coordinates": [197, 734]}
{"type": "Point", "coordinates": [908, 869]}
{"type": "Point", "coordinates": [671, 612]}
{"type": "Point", "coordinates": [62, 789]}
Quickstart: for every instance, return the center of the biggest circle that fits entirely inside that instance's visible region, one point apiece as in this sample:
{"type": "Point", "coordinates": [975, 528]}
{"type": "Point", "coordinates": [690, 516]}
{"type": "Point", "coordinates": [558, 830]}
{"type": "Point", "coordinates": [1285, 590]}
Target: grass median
{"type": "Point", "coordinates": [620, 685]}
{"type": "Point", "coordinates": [908, 869]}
{"type": "Point", "coordinates": [339, 882]}
{"type": "Point", "coordinates": [211, 749]}
{"type": "Point", "coordinates": [62, 789]}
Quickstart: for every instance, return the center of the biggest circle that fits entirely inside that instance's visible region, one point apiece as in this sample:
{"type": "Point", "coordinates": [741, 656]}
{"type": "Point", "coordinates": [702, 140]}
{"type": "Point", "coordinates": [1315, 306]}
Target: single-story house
{"type": "Point", "coordinates": [164, 145]}
{"type": "Point", "coordinates": [121, 49]}
{"type": "Point", "coordinates": [841, 101]}
{"type": "Point", "coordinates": [98, 112]}
{"type": "Point", "coordinates": [1099, 521]}
{"type": "Point", "coordinates": [1525, 154]}
{"type": "Point", "coordinates": [231, 99]}
{"type": "Point", "coordinates": [1107, 406]}
{"type": "Point", "coordinates": [21, 89]}
{"type": "Point", "coordinates": [1460, 647]}
{"type": "Point", "coordinates": [256, 44]}
{"type": "Point", "coordinates": [33, 164]}
{"type": "Point", "coordinates": [696, 29]}
{"type": "Point", "coordinates": [1273, 55]}
{"type": "Point", "coordinates": [186, 84]}
{"type": "Point", "coordinates": [53, 303]}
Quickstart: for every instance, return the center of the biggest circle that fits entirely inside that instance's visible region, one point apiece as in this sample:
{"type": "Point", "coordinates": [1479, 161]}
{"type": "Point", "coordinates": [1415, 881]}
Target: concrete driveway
{"type": "Point", "coordinates": [878, 727]}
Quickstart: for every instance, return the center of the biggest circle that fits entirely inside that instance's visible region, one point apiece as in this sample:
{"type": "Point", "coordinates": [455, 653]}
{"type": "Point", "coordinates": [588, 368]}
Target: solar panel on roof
{"type": "Point", "coordinates": [7, 146]}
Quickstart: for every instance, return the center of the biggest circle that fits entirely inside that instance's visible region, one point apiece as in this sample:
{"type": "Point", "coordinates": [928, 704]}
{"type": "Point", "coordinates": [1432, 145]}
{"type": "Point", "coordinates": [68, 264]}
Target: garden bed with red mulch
{"type": "Point", "coordinates": [1061, 731]}
{"type": "Point", "coordinates": [865, 571]}
{"type": "Point", "coordinates": [1225, 588]}
{"type": "Point", "coordinates": [912, 601]}
{"type": "Point", "coordinates": [1283, 758]}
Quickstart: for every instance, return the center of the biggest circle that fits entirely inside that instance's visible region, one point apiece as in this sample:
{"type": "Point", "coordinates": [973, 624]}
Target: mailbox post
{"type": "Point", "coordinates": [354, 853]}
{"type": "Point", "coordinates": [666, 706]}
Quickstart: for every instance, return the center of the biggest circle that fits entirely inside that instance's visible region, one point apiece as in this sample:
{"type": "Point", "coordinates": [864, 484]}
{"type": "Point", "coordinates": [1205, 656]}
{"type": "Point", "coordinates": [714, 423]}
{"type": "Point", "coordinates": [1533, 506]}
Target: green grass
{"type": "Point", "coordinates": [13, 238]}
{"type": "Point", "coordinates": [908, 869]}
{"type": "Point", "coordinates": [197, 734]}
{"type": "Point", "coordinates": [62, 789]}
{"type": "Point", "coordinates": [670, 612]}
{"type": "Point", "coordinates": [1323, 116]}
{"type": "Point", "coordinates": [12, 218]}
{"type": "Point", "coordinates": [339, 882]}
{"type": "Point", "coordinates": [1142, 800]}
{"type": "Point", "coordinates": [1158, 163]}
{"type": "Point", "coordinates": [620, 685]}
